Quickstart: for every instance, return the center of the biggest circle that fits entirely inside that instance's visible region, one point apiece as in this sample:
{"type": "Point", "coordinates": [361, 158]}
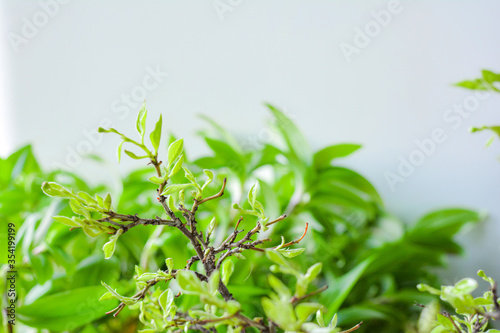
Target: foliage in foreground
{"type": "Point", "coordinates": [472, 314]}
{"type": "Point", "coordinates": [365, 251]}
{"type": "Point", "coordinates": [159, 309]}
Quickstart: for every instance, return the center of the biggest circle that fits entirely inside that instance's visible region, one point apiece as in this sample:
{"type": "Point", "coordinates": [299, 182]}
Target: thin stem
{"type": "Point", "coordinates": [298, 299]}
{"type": "Point", "coordinates": [297, 240]}
{"type": "Point", "coordinates": [352, 328]}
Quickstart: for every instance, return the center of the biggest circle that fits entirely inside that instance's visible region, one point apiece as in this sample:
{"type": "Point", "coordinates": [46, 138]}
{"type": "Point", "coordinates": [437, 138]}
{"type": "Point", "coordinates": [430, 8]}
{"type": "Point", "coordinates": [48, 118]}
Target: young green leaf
{"type": "Point", "coordinates": [210, 178]}
{"type": "Point", "coordinates": [156, 180]}
{"type": "Point", "coordinates": [227, 269]}
{"type": "Point", "coordinates": [177, 166]}
{"type": "Point", "coordinates": [77, 208]}
{"type": "Point", "coordinates": [107, 202]}
{"type": "Point", "coordinates": [305, 310]}
{"type": "Point", "coordinates": [290, 253]}
{"type": "Point", "coordinates": [155, 136]}
{"type": "Point", "coordinates": [166, 299]}
{"type": "Point", "coordinates": [55, 190]}
{"type": "Point", "coordinates": [170, 264]}
{"type": "Point", "coordinates": [134, 156]}
{"type": "Point", "coordinates": [67, 221]}
{"type": "Point", "coordinates": [119, 151]}
{"type": "Point", "coordinates": [174, 188]}
{"type": "Point", "coordinates": [109, 247]}
{"type": "Point", "coordinates": [126, 300]}
{"type": "Point", "coordinates": [141, 121]}
{"type": "Point", "coordinates": [174, 151]}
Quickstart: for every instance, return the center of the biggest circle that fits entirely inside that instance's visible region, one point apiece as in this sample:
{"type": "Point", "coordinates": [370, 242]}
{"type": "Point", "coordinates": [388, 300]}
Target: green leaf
{"type": "Point", "coordinates": [141, 121]}
{"type": "Point", "coordinates": [89, 200]}
{"type": "Point", "coordinates": [189, 283]}
{"type": "Point", "coordinates": [290, 253]}
{"type": "Point", "coordinates": [111, 130]}
{"type": "Point", "coordinates": [494, 129]}
{"type": "Point", "coordinates": [134, 156]}
{"type": "Point", "coordinates": [155, 136]}
{"type": "Point", "coordinates": [227, 269]}
{"type": "Point", "coordinates": [175, 188]}
{"type": "Point", "coordinates": [55, 190]}
{"type": "Point", "coordinates": [231, 157]}
{"type": "Point", "coordinates": [67, 221]}
{"type": "Point", "coordinates": [126, 300]}
{"type": "Point", "coordinates": [77, 208]}
{"type": "Point", "coordinates": [294, 139]}
{"type": "Point", "coordinates": [213, 282]}
{"type": "Point", "coordinates": [170, 264]}
{"type": "Point", "coordinates": [65, 311]}
{"type": "Point", "coordinates": [177, 167]}
{"type": "Point", "coordinates": [319, 318]}
{"type": "Point", "coordinates": [324, 157]}
{"type": "Point", "coordinates": [166, 299]}
{"type": "Point", "coordinates": [275, 257]}
{"type": "Point", "coordinates": [490, 77]}
{"type": "Point", "coordinates": [436, 230]}
{"type": "Point", "coordinates": [477, 84]}
{"type": "Point", "coordinates": [107, 202]}
{"type": "Point", "coordinates": [119, 151]}
{"type": "Point", "coordinates": [313, 272]}
{"type": "Point", "coordinates": [483, 275]}
{"type": "Point", "coordinates": [279, 287]}
{"type": "Point", "coordinates": [156, 180]}
{"type": "Point", "coordinates": [305, 310]}
{"type": "Point", "coordinates": [174, 150]}
{"type": "Point", "coordinates": [210, 178]}
{"type": "Point", "coordinates": [342, 287]}
{"type": "Point", "coordinates": [252, 195]}
{"type": "Point", "coordinates": [109, 247]}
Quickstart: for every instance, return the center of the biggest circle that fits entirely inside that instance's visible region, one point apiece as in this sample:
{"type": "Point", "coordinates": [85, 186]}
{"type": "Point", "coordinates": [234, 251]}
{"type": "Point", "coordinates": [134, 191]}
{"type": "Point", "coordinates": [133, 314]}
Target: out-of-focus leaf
{"type": "Point", "coordinates": [436, 230]}
{"type": "Point", "coordinates": [67, 310]}
{"type": "Point", "coordinates": [293, 137]}
{"type": "Point", "coordinates": [323, 157]}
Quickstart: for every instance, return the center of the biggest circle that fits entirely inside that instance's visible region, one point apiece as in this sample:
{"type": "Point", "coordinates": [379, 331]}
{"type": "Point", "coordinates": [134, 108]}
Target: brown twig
{"type": "Point", "coordinates": [281, 218]}
{"type": "Point", "coordinates": [298, 299]}
{"type": "Point", "coordinates": [215, 196]}
{"type": "Point", "coordinates": [297, 240]}
{"type": "Point", "coordinates": [353, 328]}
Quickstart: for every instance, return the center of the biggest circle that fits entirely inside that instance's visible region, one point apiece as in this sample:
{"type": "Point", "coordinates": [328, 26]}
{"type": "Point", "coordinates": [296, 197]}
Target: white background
{"type": "Point", "coordinates": [64, 80]}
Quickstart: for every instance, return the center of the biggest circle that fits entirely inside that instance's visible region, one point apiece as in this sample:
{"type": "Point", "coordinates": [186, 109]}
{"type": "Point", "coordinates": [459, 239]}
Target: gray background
{"type": "Point", "coordinates": [70, 76]}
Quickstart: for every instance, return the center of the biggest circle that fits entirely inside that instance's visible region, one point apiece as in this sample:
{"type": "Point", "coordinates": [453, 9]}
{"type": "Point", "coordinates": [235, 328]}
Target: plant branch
{"type": "Point", "coordinates": [215, 196]}
{"type": "Point", "coordinates": [352, 328]}
{"type": "Point", "coordinates": [298, 299]}
{"type": "Point", "coordinates": [134, 219]}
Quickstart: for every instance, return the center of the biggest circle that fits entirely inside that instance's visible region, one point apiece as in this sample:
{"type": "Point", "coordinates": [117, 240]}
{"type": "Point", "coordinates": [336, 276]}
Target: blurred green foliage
{"type": "Point", "coordinates": [472, 313]}
{"type": "Point", "coordinates": [372, 261]}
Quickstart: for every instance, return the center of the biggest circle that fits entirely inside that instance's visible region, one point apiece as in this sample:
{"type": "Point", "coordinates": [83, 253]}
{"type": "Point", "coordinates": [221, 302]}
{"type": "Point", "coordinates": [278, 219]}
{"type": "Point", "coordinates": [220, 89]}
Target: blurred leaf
{"type": "Point", "coordinates": [436, 230]}
{"type": "Point", "coordinates": [323, 157]}
{"type": "Point", "coordinates": [294, 139]}
{"type": "Point", "coordinates": [66, 310]}
{"type": "Point", "coordinates": [141, 121]}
